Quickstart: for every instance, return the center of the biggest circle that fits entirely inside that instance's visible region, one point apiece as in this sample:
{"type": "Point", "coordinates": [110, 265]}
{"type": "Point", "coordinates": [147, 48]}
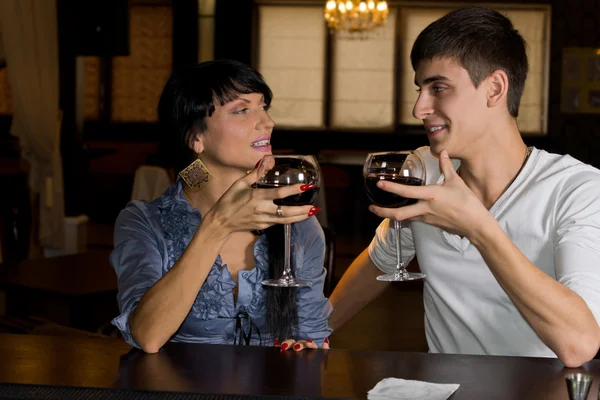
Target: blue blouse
{"type": "Point", "coordinates": [150, 237]}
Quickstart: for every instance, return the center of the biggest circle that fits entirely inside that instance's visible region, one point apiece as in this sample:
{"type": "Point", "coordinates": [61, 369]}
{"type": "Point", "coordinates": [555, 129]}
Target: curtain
{"type": "Point", "coordinates": [30, 39]}
{"type": "Point", "coordinates": [2, 57]}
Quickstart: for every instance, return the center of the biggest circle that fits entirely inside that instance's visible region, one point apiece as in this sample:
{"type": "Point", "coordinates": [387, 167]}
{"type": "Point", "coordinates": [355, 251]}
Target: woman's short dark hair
{"type": "Point", "coordinates": [482, 41]}
{"type": "Point", "coordinates": [189, 98]}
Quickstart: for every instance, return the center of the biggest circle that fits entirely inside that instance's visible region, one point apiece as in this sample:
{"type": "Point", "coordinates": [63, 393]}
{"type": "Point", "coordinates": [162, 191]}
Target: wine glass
{"type": "Point", "coordinates": [277, 171]}
{"type": "Point", "coordinates": [405, 167]}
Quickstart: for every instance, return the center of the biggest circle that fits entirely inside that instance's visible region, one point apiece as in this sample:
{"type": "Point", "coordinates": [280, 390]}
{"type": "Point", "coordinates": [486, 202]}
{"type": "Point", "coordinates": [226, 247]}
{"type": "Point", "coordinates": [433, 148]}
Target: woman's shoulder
{"type": "Point", "coordinates": [136, 220]}
{"type": "Point", "coordinates": [143, 216]}
{"type": "Point", "coordinates": [148, 210]}
{"type": "Point", "coordinates": [137, 211]}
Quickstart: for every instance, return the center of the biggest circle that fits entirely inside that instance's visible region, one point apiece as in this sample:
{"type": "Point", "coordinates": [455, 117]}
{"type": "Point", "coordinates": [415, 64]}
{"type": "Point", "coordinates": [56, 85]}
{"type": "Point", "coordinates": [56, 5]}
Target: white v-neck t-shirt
{"type": "Point", "coordinates": [551, 212]}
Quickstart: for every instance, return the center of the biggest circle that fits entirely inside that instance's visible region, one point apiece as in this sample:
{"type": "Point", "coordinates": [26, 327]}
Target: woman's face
{"type": "Point", "coordinates": [238, 134]}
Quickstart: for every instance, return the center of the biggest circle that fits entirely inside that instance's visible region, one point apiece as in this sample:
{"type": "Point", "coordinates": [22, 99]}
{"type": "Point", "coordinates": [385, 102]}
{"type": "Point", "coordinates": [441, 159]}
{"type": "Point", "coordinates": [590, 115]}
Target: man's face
{"type": "Point", "coordinates": [453, 111]}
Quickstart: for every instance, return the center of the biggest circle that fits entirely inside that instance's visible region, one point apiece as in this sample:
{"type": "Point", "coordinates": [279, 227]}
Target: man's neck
{"type": "Point", "coordinates": [491, 166]}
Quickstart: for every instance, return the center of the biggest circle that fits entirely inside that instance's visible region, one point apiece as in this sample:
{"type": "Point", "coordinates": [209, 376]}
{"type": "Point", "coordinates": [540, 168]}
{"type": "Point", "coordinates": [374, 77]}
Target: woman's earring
{"type": "Point", "coordinates": [195, 175]}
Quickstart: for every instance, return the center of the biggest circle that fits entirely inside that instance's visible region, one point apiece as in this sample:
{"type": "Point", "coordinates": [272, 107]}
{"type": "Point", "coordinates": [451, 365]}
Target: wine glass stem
{"type": "Point", "coordinates": [400, 270]}
{"type": "Point", "coordinates": [287, 266]}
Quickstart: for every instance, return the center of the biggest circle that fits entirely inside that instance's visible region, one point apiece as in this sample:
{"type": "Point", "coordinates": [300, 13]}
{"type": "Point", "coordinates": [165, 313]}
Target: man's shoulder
{"type": "Point", "coordinates": [565, 169]}
{"type": "Point", "coordinates": [566, 182]}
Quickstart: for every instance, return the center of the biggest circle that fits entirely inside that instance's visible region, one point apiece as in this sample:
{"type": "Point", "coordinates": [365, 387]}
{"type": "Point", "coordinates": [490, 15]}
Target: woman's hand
{"type": "Point", "coordinates": [300, 344]}
{"type": "Point", "coordinates": [244, 208]}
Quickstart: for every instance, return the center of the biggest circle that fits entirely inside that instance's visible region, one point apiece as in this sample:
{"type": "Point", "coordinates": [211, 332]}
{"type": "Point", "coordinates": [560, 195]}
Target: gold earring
{"type": "Point", "coordinates": [195, 175]}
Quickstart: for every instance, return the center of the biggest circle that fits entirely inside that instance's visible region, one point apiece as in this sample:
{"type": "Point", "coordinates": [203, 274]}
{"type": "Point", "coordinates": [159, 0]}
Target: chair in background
{"type": "Point", "coordinates": [108, 329]}
{"type": "Point", "coordinates": [149, 182]}
{"type": "Point", "coordinates": [329, 261]}
{"type": "Point", "coordinates": [321, 202]}
{"type": "Point", "coordinates": [33, 325]}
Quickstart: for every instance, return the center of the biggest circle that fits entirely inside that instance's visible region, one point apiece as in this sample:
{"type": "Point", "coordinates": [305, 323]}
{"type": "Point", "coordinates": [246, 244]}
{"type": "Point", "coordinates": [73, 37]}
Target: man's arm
{"type": "Point", "coordinates": [357, 288]}
{"type": "Point", "coordinates": [559, 316]}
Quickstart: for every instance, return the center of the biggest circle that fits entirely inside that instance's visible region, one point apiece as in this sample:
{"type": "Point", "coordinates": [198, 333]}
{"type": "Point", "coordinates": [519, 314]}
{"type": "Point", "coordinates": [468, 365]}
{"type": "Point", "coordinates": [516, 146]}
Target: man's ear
{"type": "Point", "coordinates": [497, 88]}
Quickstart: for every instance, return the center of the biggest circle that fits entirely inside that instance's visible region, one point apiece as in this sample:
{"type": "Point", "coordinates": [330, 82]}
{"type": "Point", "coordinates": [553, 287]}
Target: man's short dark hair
{"type": "Point", "coordinates": [482, 41]}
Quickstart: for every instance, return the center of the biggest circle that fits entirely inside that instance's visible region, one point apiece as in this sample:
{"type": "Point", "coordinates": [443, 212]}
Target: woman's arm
{"type": "Point", "coordinates": [167, 300]}
{"type": "Point", "coordinates": [167, 303]}
{"type": "Point", "coordinates": [154, 306]}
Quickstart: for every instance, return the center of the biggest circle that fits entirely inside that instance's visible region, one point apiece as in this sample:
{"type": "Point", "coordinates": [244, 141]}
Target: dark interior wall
{"type": "Point", "coordinates": [575, 23]}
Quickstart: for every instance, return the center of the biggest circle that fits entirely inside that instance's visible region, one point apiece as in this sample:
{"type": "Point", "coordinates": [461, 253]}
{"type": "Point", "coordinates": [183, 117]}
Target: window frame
{"type": "Point", "coordinates": [399, 46]}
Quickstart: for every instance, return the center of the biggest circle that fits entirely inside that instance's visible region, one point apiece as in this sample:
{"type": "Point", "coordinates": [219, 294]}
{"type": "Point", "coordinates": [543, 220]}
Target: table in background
{"type": "Point", "coordinates": [76, 290]}
{"type": "Point", "coordinates": [220, 369]}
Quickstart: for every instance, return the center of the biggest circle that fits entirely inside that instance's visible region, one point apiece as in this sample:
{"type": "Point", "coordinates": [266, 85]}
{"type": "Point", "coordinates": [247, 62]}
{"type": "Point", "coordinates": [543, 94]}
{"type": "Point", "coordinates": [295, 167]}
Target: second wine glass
{"type": "Point", "coordinates": [277, 171]}
{"type": "Point", "coordinates": [407, 168]}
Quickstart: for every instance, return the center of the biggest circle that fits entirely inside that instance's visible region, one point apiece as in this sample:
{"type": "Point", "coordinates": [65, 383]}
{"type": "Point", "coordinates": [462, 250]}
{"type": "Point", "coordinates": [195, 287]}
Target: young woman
{"type": "Point", "coordinates": [190, 263]}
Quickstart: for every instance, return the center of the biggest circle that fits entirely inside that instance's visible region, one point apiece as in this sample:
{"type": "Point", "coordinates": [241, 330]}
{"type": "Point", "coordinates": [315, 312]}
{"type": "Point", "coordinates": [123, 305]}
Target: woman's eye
{"type": "Point", "coordinates": [242, 111]}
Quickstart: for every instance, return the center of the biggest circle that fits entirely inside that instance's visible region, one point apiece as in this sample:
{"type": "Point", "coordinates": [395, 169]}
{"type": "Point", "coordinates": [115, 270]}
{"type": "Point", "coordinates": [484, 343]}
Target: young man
{"type": "Point", "coordinates": [510, 241]}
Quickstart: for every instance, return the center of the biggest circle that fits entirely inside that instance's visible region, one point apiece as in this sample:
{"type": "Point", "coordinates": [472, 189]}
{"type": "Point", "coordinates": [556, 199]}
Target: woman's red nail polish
{"type": "Point", "coordinates": [307, 187]}
{"type": "Point", "coordinates": [276, 343]}
{"type": "Point", "coordinates": [284, 346]}
{"type": "Point", "coordinates": [326, 340]}
{"type": "Point", "coordinates": [297, 347]}
{"type": "Point", "coordinates": [313, 211]}
{"type": "Point", "coordinates": [309, 341]}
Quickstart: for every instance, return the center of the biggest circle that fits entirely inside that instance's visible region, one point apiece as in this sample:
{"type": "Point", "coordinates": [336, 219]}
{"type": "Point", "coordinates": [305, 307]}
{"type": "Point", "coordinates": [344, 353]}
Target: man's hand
{"type": "Point", "coordinates": [450, 205]}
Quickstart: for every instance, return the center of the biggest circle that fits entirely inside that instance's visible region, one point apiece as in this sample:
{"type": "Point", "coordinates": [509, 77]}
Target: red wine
{"type": "Point", "coordinates": [385, 199]}
{"type": "Point", "coordinates": [305, 198]}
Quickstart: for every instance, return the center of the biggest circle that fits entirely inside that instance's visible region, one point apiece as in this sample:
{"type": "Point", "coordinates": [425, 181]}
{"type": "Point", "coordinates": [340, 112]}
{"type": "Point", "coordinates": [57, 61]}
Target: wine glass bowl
{"type": "Point", "coordinates": [399, 167]}
{"type": "Point", "coordinates": [404, 167]}
{"type": "Point", "coordinates": [278, 171]}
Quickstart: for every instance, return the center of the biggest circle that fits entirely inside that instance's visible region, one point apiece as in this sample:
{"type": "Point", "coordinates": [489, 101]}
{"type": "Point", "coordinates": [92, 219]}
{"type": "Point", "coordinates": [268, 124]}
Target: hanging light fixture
{"type": "Point", "coordinates": [355, 17]}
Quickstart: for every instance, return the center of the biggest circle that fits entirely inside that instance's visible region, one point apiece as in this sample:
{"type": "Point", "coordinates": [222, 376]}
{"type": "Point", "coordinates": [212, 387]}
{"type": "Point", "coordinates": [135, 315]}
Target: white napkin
{"type": "Point", "coordinates": [403, 389]}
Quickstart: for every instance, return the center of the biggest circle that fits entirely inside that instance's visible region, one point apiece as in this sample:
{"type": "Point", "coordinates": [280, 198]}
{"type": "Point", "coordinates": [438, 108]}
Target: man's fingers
{"type": "Point", "coordinates": [407, 191]}
{"type": "Point", "coordinates": [400, 214]}
{"type": "Point", "coordinates": [446, 165]}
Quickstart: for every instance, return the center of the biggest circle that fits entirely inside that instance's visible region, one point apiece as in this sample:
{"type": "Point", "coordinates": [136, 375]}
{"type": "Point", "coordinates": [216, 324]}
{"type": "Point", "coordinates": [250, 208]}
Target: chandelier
{"type": "Point", "coordinates": [355, 16]}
